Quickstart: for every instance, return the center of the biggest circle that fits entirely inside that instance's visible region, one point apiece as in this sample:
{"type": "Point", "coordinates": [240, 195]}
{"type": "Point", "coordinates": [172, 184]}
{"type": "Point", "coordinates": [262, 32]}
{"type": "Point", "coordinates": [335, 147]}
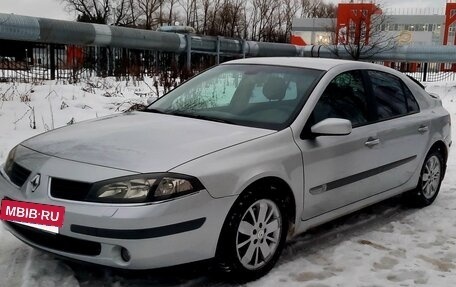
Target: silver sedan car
{"type": "Point", "coordinates": [231, 164]}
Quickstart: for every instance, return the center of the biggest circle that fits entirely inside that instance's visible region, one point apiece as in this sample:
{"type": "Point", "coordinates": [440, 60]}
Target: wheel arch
{"type": "Point", "coordinates": [416, 197]}
{"type": "Point", "coordinates": [274, 188]}
{"type": "Point", "coordinates": [441, 147]}
{"type": "Point", "coordinates": [281, 188]}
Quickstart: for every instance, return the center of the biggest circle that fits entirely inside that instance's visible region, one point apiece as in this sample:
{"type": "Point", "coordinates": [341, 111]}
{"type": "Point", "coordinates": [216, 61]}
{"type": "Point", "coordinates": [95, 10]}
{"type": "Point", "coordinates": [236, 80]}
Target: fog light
{"type": "Point", "coordinates": [125, 254]}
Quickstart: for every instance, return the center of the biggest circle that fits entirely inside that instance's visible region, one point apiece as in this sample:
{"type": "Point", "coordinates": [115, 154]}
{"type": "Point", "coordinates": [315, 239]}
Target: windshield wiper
{"type": "Point", "coordinates": [201, 117]}
{"type": "Point", "coordinates": [155, 111]}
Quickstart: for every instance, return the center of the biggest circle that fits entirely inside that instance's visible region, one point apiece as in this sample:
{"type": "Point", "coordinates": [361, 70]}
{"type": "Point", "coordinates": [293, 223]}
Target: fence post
{"type": "Point", "coordinates": [218, 50]}
{"type": "Point", "coordinates": [110, 58]}
{"type": "Point", "coordinates": [425, 71]}
{"type": "Point", "coordinates": [189, 52]}
{"type": "Point", "coordinates": [244, 48]}
{"type": "Point", "coordinates": [52, 60]}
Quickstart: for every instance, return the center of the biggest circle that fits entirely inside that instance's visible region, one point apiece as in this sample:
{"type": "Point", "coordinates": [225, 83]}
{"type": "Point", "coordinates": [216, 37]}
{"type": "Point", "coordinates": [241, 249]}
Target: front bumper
{"type": "Point", "coordinates": [156, 235]}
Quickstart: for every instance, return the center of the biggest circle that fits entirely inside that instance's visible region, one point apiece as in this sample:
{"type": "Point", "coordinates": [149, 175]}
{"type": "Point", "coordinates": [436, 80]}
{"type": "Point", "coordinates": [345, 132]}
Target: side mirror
{"type": "Point", "coordinates": [332, 127]}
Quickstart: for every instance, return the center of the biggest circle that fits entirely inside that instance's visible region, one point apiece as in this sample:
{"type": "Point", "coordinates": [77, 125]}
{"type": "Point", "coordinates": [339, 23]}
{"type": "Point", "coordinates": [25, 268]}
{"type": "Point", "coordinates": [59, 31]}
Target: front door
{"type": "Point", "coordinates": [340, 170]}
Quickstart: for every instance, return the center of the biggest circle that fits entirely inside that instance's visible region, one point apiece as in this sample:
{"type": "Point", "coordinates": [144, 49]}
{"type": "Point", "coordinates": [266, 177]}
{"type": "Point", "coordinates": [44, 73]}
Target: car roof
{"type": "Point", "coordinates": [303, 62]}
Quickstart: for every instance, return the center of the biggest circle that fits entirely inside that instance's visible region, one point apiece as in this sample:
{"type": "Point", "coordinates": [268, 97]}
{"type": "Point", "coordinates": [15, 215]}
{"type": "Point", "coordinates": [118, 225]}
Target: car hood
{"type": "Point", "coordinates": [141, 142]}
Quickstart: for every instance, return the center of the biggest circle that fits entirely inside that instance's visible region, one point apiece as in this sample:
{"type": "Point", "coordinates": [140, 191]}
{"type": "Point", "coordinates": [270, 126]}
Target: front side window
{"type": "Point", "coordinates": [388, 95]}
{"type": "Point", "coordinates": [344, 98]}
{"type": "Point", "coordinates": [251, 95]}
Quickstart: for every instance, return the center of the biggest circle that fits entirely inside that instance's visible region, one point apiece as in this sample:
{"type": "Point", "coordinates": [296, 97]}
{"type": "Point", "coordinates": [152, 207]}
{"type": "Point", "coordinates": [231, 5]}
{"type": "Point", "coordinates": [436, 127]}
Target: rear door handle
{"type": "Point", "coordinates": [371, 142]}
{"type": "Point", "coordinates": [423, 129]}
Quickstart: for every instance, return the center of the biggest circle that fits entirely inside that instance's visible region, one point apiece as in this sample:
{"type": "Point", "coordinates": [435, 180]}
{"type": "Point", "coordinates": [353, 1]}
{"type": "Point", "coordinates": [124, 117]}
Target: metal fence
{"type": "Point", "coordinates": [29, 62]}
{"type": "Point", "coordinates": [33, 49]}
{"type": "Point", "coordinates": [425, 72]}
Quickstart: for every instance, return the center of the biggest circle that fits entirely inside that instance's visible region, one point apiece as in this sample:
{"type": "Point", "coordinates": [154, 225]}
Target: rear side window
{"type": "Point", "coordinates": [389, 95]}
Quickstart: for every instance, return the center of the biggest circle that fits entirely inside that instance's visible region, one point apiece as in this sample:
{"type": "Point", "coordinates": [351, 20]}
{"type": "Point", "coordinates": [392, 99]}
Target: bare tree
{"type": "Point", "coordinates": [125, 13]}
{"type": "Point", "coordinates": [317, 9]}
{"type": "Point", "coordinates": [261, 20]}
{"type": "Point", "coordinates": [290, 9]}
{"type": "Point", "coordinates": [229, 17]}
{"type": "Point", "coordinates": [264, 15]}
{"type": "Point", "coordinates": [147, 10]}
{"type": "Point", "coordinates": [95, 11]}
{"type": "Point", "coordinates": [116, 12]}
{"type": "Point", "coordinates": [133, 9]}
{"type": "Point", "coordinates": [171, 18]}
{"type": "Point", "coordinates": [206, 8]}
{"type": "Point", "coordinates": [190, 9]}
{"type": "Point", "coordinates": [363, 37]}
{"type": "Point", "coordinates": [213, 14]}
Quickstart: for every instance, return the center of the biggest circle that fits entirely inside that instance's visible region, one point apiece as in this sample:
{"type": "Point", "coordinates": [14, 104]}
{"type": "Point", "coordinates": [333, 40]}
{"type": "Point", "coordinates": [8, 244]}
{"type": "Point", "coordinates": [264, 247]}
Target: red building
{"type": "Point", "coordinates": [449, 32]}
{"type": "Point", "coordinates": [354, 21]}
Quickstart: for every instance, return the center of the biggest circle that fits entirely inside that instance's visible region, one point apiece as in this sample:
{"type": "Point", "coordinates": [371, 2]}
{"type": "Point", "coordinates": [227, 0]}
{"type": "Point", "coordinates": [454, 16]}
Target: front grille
{"type": "Point", "coordinates": [69, 189]}
{"type": "Point", "coordinates": [56, 241]}
{"type": "Point", "coordinates": [17, 174]}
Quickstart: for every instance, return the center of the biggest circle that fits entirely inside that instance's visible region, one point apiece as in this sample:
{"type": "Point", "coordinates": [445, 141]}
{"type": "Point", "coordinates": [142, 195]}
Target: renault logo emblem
{"type": "Point", "coordinates": [35, 182]}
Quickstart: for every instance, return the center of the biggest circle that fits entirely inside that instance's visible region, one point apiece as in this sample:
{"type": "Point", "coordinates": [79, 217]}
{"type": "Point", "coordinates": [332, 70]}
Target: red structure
{"type": "Point", "coordinates": [297, 40]}
{"type": "Point", "coordinates": [75, 56]}
{"type": "Point", "coordinates": [450, 20]}
{"type": "Point", "coordinates": [353, 18]}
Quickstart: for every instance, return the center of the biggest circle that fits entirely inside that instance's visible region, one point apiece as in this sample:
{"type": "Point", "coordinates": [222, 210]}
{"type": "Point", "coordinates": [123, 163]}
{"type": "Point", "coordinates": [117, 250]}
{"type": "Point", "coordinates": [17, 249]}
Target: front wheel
{"type": "Point", "coordinates": [430, 180]}
{"type": "Point", "coordinates": [253, 235]}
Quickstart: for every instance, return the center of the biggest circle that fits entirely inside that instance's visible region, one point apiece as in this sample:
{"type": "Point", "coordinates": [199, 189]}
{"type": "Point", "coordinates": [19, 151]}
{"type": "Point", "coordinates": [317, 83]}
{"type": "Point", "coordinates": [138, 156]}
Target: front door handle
{"type": "Point", "coordinates": [371, 142]}
{"type": "Point", "coordinates": [423, 129]}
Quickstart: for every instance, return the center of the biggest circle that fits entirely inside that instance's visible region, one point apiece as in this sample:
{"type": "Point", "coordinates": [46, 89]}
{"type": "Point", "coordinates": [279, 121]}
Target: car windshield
{"type": "Point", "coordinates": [260, 96]}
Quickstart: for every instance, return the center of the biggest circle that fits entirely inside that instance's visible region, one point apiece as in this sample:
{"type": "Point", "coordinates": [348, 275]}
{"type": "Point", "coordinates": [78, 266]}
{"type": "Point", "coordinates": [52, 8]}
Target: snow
{"type": "Point", "coordinates": [384, 245]}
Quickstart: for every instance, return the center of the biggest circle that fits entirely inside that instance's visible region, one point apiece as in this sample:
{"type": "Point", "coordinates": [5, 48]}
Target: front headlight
{"type": "Point", "coordinates": [144, 188]}
{"type": "Point", "coordinates": [10, 160]}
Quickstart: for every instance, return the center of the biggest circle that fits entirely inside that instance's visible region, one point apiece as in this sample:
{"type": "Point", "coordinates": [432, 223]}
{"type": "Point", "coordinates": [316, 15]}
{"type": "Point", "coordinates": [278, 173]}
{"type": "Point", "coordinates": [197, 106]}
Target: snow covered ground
{"type": "Point", "coordinates": [384, 245]}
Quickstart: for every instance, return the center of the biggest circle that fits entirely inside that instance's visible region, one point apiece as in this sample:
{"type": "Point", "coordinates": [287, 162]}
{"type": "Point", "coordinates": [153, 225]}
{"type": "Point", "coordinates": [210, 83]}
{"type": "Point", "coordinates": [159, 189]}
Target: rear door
{"type": "Point", "coordinates": [401, 130]}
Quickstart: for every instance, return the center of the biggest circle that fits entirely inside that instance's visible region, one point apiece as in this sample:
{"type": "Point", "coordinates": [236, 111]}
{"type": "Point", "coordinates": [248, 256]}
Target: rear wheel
{"type": "Point", "coordinates": [253, 235]}
{"type": "Point", "coordinates": [430, 180]}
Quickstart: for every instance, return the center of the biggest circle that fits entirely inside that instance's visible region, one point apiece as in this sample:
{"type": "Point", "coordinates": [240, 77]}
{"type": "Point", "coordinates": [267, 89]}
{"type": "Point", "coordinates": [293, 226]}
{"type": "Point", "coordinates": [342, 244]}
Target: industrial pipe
{"type": "Point", "coordinates": [50, 31]}
{"type": "Point", "coordinates": [412, 53]}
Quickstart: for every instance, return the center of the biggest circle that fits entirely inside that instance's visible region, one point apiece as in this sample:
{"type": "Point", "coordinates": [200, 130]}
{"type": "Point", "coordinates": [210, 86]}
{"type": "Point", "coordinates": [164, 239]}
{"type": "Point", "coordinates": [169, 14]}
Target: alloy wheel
{"type": "Point", "coordinates": [258, 234]}
{"type": "Point", "coordinates": [431, 177]}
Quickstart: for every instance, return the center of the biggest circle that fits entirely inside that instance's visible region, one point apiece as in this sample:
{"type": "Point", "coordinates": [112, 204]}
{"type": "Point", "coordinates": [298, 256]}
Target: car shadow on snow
{"type": "Point", "coordinates": [203, 273]}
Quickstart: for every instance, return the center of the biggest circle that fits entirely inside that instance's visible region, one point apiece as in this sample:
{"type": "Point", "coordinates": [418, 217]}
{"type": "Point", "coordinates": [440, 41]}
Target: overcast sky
{"type": "Point", "coordinates": [54, 8]}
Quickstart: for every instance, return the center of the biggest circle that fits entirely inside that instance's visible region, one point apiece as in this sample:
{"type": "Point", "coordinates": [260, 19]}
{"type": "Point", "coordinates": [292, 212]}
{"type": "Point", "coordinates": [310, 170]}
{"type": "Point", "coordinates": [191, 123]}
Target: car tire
{"type": "Point", "coordinates": [431, 177]}
{"type": "Point", "coordinates": [253, 235]}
